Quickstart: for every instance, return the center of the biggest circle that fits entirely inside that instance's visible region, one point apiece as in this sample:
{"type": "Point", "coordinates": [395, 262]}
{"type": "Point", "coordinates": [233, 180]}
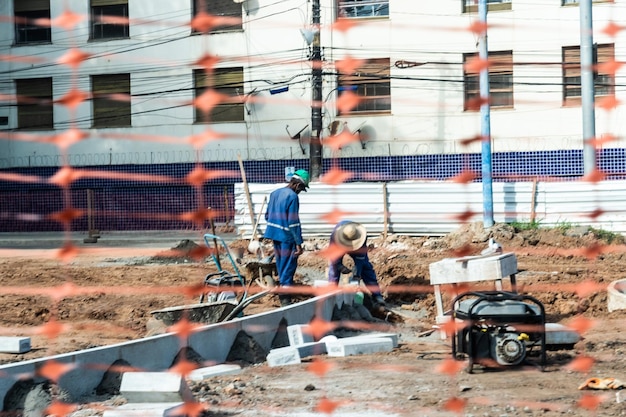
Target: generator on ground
{"type": "Point", "coordinates": [500, 329]}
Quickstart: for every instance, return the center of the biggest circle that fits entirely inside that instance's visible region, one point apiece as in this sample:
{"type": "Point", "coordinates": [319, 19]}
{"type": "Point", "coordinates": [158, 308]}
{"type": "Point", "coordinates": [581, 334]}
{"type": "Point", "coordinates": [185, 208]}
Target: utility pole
{"type": "Point", "coordinates": [485, 120]}
{"type": "Point", "coordinates": [315, 145]}
{"type": "Point", "coordinates": [586, 85]}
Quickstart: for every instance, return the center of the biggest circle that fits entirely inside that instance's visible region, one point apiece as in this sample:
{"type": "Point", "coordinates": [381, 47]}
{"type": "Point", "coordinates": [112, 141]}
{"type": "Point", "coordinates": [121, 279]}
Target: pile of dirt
{"type": "Point", "coordinates": [567, 269]}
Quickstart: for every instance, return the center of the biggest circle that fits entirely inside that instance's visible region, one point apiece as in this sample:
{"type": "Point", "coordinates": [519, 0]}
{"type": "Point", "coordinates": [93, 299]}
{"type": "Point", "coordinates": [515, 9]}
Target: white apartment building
{"type": "Point", "coordinates": [115, 81]}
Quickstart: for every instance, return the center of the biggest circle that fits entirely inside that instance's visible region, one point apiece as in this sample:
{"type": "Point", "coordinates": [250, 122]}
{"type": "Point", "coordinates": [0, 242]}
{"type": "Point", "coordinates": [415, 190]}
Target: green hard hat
{"type": "Point", "coordinates": [303, 175]}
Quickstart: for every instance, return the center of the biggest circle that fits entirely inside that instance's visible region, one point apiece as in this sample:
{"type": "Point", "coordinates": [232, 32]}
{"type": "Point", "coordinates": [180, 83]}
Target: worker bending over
{"type": "Point", "coordinates": [352, 237]}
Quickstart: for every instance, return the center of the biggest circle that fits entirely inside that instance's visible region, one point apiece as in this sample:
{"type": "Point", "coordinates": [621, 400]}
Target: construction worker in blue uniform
{"type": "Point", "coordinates": [284, 229]}
{"type": "Point", "coordinates": [352, 238]}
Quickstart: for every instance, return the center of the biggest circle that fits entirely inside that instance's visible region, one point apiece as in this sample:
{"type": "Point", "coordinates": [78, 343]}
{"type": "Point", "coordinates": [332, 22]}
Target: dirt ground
{"type": "Point", "coordinates": [98, 299]}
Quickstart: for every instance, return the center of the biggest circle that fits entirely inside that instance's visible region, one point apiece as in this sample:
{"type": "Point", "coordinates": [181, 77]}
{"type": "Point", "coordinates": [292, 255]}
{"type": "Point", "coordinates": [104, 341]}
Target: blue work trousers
{"type": "Point", "coordinates": [364, 269]}
{"type": "Point", "coordinates": [286, 262]}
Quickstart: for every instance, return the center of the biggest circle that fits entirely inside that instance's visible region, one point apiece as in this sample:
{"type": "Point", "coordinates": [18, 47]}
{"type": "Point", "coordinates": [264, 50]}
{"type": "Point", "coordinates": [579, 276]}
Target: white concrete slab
{"type": "Point", "coordinates": [291, 355]}
{"type": "Point", "coordinates": [146, 387]}
{"type": "Point", "coordinates": [299, 334]}
{"type": "Point", "coordinates": [211, 371]}
{"type": "Point", "coordinates": [471, 269]}
{"type": "Point", "coordinates": [144, 410]}
{"type": "Point", "coordinates": [393, 336]}
{"type": "Point", "coordinates": [558, 334]}
{"type": "Point", "coordinates": [349, 346]}
{"type": "Point", "coordinates": [288, 355]}
{"type": "Point", "coordinates": [14, 344]}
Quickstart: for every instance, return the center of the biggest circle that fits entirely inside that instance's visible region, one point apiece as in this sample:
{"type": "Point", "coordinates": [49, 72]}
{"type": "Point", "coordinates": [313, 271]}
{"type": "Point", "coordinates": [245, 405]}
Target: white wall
{"type": "Point", "coordinates": [427, 101]}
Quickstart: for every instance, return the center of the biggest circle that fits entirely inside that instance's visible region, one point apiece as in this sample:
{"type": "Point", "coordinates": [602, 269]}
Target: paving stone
{"type": "Point", "coordinates": [291, 355]}
{"type": "Point", "coordinates": [558, 334]}
{"type": "Point", "coordinates": [358, 346]}
{"type": "Point", "coordinates": [146, 387]}
{"type": "Point", "coordinates": [211, 371]}
{"type": "Point", "coordinates": [144, 410]}
{"type": "Point", "coordinates": [14, 344]}
{"type": "Point", "coordinates": [393, 336]}
{"type": "Point", "coordinates": [299, 334]}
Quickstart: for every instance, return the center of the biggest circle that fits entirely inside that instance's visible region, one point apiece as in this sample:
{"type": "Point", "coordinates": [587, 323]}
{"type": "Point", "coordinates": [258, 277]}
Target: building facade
{"type": "Point", "coordinates": [131, 85]}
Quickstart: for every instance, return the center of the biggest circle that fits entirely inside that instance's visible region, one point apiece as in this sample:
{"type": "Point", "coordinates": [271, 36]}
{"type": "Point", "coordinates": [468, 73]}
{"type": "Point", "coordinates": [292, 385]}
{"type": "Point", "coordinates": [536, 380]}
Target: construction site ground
{"type": "Point", "coordinates": [566, 269]}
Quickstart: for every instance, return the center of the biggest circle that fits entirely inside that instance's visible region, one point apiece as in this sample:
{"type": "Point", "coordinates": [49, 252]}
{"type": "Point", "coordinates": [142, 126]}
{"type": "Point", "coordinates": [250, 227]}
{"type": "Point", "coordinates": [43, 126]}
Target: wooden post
{"type": "Point", "coordinates": [385, 212]}
{"type": "Point", "coordinates": [92, 233]}
{"type": "Point", "coordinates": [533, 201]}
{"type": "Point", "coordinates": [246, 190]}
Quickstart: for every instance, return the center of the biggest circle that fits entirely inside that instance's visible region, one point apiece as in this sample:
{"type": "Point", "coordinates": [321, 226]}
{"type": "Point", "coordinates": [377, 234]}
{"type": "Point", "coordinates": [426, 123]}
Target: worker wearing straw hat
{"type": "Point", "coordinates": [352, 238]}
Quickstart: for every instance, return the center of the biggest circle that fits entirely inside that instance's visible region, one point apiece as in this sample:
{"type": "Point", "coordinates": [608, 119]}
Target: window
{"type": "Point", "coordinates": [103, 28]}
{"type": "Point", "coordinates": [111, 100]}
{"type": "Point", "coordinates": [568, 2]}
{"type": "Point", "coordinates": [500, 81]}
{"type": "Point", "coordinates": [225, 8]}
{"type": "Point", "coordinates": [603, 83]}
{"type": "Point", "coordinates": [26, 13]}
{"type": "Point", "coordinates": [34, 103]}
{"type": "Point", "coordinates": [227, 81]}
{"type": "Point", "coordinates": [371, 82]}
{"type": "Point", "coordinates": [363, 8]}
{"type": "Point", "coordinates": [472, 5]}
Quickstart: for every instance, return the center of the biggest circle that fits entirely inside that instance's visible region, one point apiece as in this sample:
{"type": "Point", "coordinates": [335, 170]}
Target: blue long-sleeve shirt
{"type": "Point", "coordinates": [282, 216]}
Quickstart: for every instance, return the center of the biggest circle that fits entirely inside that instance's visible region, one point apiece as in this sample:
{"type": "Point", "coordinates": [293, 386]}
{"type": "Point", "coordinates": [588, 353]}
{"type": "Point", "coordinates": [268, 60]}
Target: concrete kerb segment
{"type": "Point", "coordinates": [157, 353]}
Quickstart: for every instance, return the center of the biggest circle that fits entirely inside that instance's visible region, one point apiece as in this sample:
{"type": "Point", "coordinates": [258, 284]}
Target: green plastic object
{"type": "Point", "coordinates": [358, 297]}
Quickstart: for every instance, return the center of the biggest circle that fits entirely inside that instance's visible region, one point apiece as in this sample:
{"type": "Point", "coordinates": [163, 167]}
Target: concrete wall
{"type": "Point", "coordinates": [212, 342]}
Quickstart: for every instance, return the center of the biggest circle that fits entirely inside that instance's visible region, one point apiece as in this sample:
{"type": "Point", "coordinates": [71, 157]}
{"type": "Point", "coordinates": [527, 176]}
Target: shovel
{"type": "Point", "coordinates": [255, 244]}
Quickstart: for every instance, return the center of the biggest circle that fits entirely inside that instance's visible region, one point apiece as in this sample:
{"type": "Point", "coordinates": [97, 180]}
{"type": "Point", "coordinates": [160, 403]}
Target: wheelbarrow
{"type": "Point", "coordinates": [224, 284]}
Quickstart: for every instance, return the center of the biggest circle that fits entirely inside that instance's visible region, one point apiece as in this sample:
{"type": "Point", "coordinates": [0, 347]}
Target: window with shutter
{"type": "Point", "coordinates": [223, 8]}
{"type": "Point", "coordinates": [105, 19]}
{"type": "Point", "coordinates": [371, 82]}
{"type": "Point", "coordinates": [26, 13]}
{"type": "Point", "coordinates": [363, 8]}
{"type": "Point", "coordinates": [34, 103]}
{"type": "Point", "coordinates": [226, 81]}
{"type": "Point", "coordinates": [471, 6]}
{"type": "Point", "coordinates": [111, 100]}
{"type": "Point", "coordinates": [500, 80]}
{"type": "Point", "coordinates": [603, 82]}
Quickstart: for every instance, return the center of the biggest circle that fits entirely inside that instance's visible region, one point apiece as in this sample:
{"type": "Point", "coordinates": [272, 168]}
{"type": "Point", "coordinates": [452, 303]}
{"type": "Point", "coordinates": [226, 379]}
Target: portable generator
{"type": "Point", "coordinates": [501, 328]}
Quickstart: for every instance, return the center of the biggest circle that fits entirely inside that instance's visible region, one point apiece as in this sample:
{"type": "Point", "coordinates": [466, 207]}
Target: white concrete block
{"type": "Point", "coordinates": [470, 269]}
{"type": "Point", "coordinates": [291, 355]}
{"type": "Point", "coordinates": [211, 371]}
{"type": "Point", "coordinates": [358, 346]}
{"type": "Point", "coordinates": [14, 344]}
{"type": "Point", "coordinates": [283, 356]}
{"type": "Point", "coordinates": [299, 334]}
{"type": "Point", "coordinates": [558, 334]}
{"type": "Point", "coordinates": [145, 387]}
{"type": "Point", "coordinates": [144, 410]}
{"type": "Point", "coordinates": [393, 336]}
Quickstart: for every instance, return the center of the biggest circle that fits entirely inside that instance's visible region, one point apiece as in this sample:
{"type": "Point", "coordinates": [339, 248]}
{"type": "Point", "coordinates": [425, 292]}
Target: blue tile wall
{"type": "Point", "coordinates": [125, 204]}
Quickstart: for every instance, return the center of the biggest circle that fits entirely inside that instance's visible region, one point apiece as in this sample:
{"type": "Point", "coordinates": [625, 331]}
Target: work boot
{"type": "Point", "coordinates": [284, 299]}
{"type": "Point", "coordinates": [378, 299]}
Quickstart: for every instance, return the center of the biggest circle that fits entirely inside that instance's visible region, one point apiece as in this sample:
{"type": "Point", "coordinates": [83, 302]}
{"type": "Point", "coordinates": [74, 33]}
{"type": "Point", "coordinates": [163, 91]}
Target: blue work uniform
{"type": "Point", "coordinates": [284, 229]}
{"type": "Point", "coordinates": [362, 266]}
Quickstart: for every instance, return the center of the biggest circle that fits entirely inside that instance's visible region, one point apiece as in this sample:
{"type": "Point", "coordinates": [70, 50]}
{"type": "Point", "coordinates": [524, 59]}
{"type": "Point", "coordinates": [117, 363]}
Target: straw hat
{"type": "Point", "coordinates": [351, 235]}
